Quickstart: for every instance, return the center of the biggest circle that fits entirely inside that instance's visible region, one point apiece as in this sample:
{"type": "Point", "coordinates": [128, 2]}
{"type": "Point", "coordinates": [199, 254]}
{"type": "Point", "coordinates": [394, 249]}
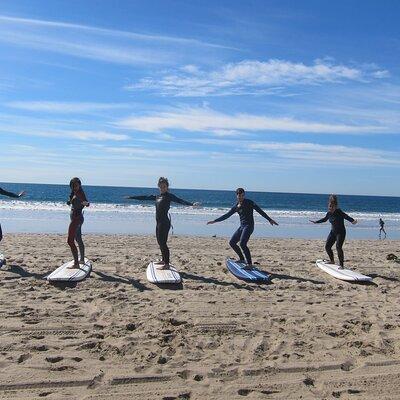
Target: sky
{"type": "Point", "coordinates": [282, 96]}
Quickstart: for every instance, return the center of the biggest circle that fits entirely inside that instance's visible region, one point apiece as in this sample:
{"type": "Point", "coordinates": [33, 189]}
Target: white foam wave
{"type": "Point", "coordinates": [18, 205]}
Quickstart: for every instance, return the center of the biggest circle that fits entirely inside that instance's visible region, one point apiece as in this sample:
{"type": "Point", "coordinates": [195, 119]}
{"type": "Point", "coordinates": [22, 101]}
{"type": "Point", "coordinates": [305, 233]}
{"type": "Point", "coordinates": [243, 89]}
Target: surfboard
{"type": "Point", "coordinates": [155, 275]}
{"type": "Point", "coordinates": [343, 274]}
{"type": "Point", "coordinates": [253, 274]}
{"type": "Point", "coordinates": [2, 260]}
{"type": "Point", "coordinates": [65, 274]}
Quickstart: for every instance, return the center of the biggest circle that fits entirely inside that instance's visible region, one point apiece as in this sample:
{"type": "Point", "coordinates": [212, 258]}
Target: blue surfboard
{"type": "Point", "coordinates": [253, 274]}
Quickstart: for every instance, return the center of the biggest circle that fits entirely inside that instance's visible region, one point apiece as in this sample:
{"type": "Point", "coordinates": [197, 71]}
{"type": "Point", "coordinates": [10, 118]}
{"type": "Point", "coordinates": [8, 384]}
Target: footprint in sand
{"type": "Point", "coordinates": [54, 359]}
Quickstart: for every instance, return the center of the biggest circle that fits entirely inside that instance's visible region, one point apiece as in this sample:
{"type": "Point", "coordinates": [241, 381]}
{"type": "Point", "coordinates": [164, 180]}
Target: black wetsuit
{"type": "Point", "coordinates": [75, 226]}
{"type": "Point", "coordinates": [243, 233]}
{"type": "Point", "coordinates": [163, 204]}
{"type": "Point", "coordinates": [382, 227]}
{"type": "Point", "coordinates": [337, 233]}
{"type": "Point", "coordinates": [8, 194]}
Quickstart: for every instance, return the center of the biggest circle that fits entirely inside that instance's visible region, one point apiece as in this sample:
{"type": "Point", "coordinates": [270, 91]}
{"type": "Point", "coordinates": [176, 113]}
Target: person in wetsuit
{"type": "Point", "coordinates": [77, 201]}
{"type": "Point", "coordinates": [12, 195]}
{"type": "Point", "coordinates": [163, 222]}
{"type": "Point", "coordinates": [338, 231]}
{"type": "Point", "coordinates": [382, 228]}
{"type": "Point", "coordinates": [245, 208]}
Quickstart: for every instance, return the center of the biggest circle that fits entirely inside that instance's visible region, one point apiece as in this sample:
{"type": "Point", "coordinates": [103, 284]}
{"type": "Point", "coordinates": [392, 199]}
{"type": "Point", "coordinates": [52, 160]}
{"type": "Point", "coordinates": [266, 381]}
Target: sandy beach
{"type": "Point", "coordinates": [116, 336]}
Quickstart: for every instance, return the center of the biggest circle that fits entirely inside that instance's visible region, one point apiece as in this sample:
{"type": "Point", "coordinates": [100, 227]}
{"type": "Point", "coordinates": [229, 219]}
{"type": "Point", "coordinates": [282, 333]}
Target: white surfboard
{"type": "Point", "coordinates": [2, 260]}
{"type": "Point", "coordinates": [155, 275]}
{"type": "Point", "coordinates": [343, 274]}
{"type": "Point", "coordinates": [65, 274]}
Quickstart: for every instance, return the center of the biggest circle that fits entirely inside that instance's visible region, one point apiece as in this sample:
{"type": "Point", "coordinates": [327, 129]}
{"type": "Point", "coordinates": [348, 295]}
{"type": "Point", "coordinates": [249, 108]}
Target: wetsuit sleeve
{"type": "Point", "coordinates": [227, 215]}
{"type": "Point", "coordinates": [320, 221]}
{"type": "Point", "coordinates": [347, 217]}
{"type": "Point", "coordinates": [150, 197]}
{"type": "Point", "coordinates": [176, 199]}
{"type": "Point", "coordinates": [261, 212]}
{"type": "Point", "coordinates": [9, 194]}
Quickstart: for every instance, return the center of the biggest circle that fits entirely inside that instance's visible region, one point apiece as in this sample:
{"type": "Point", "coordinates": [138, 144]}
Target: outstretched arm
{"type": "Point", "coordinates": [320, 221]}
{"type": "Point", "coordinates": [264, 214]}
{"type": "Point", "coordinates": [11, 194]}
{"type": "Point", "coordinates": [348, 218]}
{"type": "Point", "coordinates": [176, 199]}
{"type": "Point", "coordinates": [150, 197]}
{"type": "Point", "coordinates": [223, 217]}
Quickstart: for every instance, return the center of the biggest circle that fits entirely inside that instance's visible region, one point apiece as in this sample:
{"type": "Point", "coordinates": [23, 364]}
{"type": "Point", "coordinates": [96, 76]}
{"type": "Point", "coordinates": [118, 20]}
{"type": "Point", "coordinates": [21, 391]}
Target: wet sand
{"type": "Point", "coordinates": [116, 336]}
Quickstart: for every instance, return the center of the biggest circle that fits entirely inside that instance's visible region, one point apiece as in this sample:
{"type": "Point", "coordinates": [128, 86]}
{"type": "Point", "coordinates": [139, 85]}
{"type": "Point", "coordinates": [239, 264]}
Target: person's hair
{"type": "Point", "coordinates": [163, 180]}
{"type": "Point", "coordinates": [71, 185]}
{"type": "Point", "coordinates": [333, 200]}
{"type": "Point", "coordinates": [239, 190]}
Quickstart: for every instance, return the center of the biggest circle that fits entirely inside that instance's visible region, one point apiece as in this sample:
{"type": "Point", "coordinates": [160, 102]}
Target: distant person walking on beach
{"type": "Point", "coordinates": [245, 208]}
{"type": "Point", "coordinates": [9, 194]}
{"type": "Point", "coordinates": [78, 201]}
{"type": "Point", "coordinates": [163, 221]}
{"type": "Point", "coordinates": [338, 231]}
{"type": "Point", "coordinates": [382, 228]}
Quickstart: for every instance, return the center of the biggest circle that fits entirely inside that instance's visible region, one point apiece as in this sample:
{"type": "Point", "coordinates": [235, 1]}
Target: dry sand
{"type": "Point", "coordinates": [116, 336]}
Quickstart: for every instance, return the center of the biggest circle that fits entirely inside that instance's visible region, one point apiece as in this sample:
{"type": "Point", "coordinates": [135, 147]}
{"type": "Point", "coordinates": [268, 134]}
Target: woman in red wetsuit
{"type": "Point", "coordinates": [77, 201]}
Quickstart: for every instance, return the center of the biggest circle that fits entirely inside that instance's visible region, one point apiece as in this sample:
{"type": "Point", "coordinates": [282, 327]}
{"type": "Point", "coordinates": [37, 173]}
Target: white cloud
{"type": "Point", "coordinates": [206, 120]}
{"type": "Point", "coordinates": [329, 154]}
{"type": "Point", "coordinates": [252, 76]}
{"type": "Point", "coordinates": [95, 43]}
{"type": "Point", "coordinates": [86, 135]}
{"type": "Point", "coordinates": [65, 107]}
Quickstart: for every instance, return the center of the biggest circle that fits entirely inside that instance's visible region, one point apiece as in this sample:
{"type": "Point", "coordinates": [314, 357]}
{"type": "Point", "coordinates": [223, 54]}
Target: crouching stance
{"type": "Point", "coordinates": [338, 231]}
{"type": "Point", "coordinates": [245, 208]}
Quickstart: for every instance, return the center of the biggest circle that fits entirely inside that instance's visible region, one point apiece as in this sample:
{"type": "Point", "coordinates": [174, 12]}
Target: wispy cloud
{"type": "Point", "coordinates": [207, 120]}
{"type": "Point", "coordinates": [254, 77]}
{"type": "Point", "coordinates": [91, 42]}
{"type": "Point", "coordinates": [66, 134]}
{"type": "Point", "coordinates": [329, 154]}
{"type": "Point", "coordinates": [65, 107]}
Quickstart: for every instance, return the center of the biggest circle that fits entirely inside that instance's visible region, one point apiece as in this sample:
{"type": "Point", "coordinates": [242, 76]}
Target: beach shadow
{"type": "Point", "coordinates": [63, 285]}
{"type": "Point", "coordinates": [170, 286]}
{"type": "Point", "coordinates": [295, 278]}
{"type": "Point", "coordinates": [203, 279]}
{"type": "Point", "coordinates": [23, 273]}
{"type": "Point", "coordinates": [120, 279]}
{"type": "Point", "coordinates": [386, 278]}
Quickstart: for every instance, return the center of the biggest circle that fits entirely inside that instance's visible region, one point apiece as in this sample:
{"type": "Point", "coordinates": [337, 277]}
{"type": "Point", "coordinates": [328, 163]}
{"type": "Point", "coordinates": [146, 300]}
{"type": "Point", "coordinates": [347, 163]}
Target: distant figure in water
{"type": "Point", "coordinates": [382, 228]}
{"type": "Point", "coordinates": [338, 231]}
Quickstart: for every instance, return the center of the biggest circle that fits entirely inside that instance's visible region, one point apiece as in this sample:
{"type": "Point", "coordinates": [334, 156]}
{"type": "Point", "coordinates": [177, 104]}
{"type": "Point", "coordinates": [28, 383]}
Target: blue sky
{"type": "Point", "coordinates": [269, 95]}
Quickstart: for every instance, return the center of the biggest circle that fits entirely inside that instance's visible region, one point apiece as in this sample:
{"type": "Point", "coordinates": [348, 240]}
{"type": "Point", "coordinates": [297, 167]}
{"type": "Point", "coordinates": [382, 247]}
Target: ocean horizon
{"type": "Point", "coordinates": [44, 210]}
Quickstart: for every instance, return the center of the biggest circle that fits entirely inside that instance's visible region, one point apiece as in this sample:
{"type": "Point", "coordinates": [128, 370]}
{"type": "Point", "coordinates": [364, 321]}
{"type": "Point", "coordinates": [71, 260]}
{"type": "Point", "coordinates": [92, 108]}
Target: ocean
{"type": "Point", "coordinates": [44, 210]}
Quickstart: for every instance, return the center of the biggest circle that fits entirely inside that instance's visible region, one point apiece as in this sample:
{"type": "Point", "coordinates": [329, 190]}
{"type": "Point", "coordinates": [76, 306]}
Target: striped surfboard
{"type": "Point", "coordinates": [253, 274]}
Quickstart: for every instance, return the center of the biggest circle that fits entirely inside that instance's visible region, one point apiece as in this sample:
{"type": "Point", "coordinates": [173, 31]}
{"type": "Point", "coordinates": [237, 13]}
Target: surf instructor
{"type": "Point", "coordinates": [163, 222]}
{"type": "Point", "coordinates": [245, 208]}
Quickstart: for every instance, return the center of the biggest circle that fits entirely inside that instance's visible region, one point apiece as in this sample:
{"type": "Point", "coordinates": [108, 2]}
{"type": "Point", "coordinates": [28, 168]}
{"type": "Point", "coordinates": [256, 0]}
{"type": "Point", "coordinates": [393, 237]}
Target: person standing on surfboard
{"type": "Point", "coordinates": [77, 201]}
{"type": "Point", "coordinates": [163, 222]}
{"type": "Point", "coordinates": [338, 231]}
{"type": "Point", "coordinates": [245, 208]}
{"type": "Point", "coordinates": [12, 195]}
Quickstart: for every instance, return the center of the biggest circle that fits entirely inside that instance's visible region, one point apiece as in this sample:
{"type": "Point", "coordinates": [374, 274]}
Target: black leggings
{"type": "Point", "coordinates": [242, 236]}
{"type": "Point", "coordinates": [330, 241]}
{"type": "Point", "coordinates": [162, 231]}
